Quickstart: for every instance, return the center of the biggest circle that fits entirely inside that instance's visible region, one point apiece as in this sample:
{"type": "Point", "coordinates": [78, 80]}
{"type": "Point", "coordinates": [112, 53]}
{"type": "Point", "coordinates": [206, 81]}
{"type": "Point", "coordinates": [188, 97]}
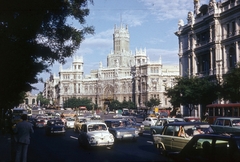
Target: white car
{"type": "Point", "coordinates": [70, 122]}
{"type": "Point", "coordinates": [95, 133]}
{"type": "Point", "coordinates": [149, 121]}
{"type": "Point", "coordinates": [117, 116]}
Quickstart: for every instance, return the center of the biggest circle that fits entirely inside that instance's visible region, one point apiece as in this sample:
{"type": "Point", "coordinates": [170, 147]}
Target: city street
{"type": "Point", "coordinates": [65, 149]}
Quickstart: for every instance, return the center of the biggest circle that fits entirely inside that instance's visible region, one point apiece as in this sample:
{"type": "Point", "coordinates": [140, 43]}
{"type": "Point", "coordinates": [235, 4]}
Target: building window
{"type": "Point", "coordinates": [228, 30]}
{"type": "Point", "coordinates": [233, 28]}
{"type": "Point", "coordinates": [203, 64]}
{"type": "Point", "coordinates": [232, 58]}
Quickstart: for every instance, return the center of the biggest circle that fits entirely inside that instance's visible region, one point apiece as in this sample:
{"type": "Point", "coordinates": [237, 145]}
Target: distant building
{"type": "Point", "coordinates": [128, 76]}
{"type": "Point", "coordinates": [209, 41]}
{"type": "Point", "coordinates": [30, 100]}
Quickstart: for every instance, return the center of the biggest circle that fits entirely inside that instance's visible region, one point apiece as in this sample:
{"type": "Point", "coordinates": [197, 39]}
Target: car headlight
{"type": "Point", "coordinates": [136, 131]}
{"type": "Point", "coordinates": [118, 133]}
{"type": "Point", "coordinates": [91, 139]}
{"type": "Point", "coordinates": [142, 126]}
{"type": "Point", "coordinates": [111, 137]}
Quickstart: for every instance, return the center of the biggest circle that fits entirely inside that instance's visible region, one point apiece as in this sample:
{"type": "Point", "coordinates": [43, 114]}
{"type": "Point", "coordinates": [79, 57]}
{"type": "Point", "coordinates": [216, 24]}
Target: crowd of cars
{"type": "Point", "coordinates": [181, 139]}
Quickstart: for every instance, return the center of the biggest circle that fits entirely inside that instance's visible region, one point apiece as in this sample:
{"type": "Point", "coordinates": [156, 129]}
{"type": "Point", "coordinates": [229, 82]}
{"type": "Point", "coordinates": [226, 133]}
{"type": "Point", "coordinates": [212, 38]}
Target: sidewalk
{"type": "Point", "coordinates": [5, 147]}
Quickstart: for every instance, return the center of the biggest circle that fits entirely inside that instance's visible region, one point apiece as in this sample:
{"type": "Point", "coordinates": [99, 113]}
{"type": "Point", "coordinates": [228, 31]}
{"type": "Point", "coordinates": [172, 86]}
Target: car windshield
{"type": "Point", "coordinates": [70, 119]}
{"type": "Point", "coordinates": [117, 124]}
{"type": "Point", "coordinates": [97, 127]}
{"type": "Point", "coordinates": [236, 123]}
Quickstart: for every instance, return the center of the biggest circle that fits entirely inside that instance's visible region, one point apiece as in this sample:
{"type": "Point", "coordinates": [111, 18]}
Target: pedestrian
{"type": "Point", "coordinates": [22, 132]}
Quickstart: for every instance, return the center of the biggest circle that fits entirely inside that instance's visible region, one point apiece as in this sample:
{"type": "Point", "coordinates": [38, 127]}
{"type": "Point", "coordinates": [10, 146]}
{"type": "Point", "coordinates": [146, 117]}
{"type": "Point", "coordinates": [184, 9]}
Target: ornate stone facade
{"type": "Point", "coordinates": [127, 76]}
{"type": "Point", "coordinates": [209, 42]}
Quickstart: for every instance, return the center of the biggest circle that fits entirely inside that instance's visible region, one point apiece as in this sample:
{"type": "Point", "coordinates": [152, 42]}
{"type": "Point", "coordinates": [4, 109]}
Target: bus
{"type": "Point", "coordinates": [222, 110]}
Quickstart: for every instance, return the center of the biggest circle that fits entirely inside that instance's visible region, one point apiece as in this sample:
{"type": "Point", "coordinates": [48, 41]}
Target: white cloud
{"type": "Point", "coordinates": [167, 56]}
{"type": "Point", "coordinates": [170, 9]}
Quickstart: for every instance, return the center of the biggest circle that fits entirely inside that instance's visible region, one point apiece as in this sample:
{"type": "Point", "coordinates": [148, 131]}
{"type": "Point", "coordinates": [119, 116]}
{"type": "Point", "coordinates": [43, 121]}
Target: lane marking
{"type": "Point", "coordinates": [73, 137]}
{"type": "Point", "coordinates": [151, 142]}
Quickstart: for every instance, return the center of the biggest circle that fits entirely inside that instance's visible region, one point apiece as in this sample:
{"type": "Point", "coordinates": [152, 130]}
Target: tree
{"type": "Point", "coordinates": [128, 104]}
{"type": "Point", "coordinates": [192, 91]}
{"type": "Point", "coordinates": [153, 102]}
{"type": "Point", "coordinates": [77, 102]}
{"type": "Point", "coordinates": [34, 35]}
{"type": "Point", "coordinates": [43, 101]}
{"type": "Point", "coordinates": [231, 85]}
{"type": "Point", "coordinates": [114, 104]}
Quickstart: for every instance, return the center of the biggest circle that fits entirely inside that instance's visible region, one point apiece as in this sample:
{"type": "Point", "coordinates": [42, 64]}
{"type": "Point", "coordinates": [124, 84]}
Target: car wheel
{"type": "Point", "coordinates": [161, 149]}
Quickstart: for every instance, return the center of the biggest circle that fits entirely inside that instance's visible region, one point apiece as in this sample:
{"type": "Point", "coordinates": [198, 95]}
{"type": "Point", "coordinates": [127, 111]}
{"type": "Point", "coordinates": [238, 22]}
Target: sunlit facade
{"type": "Point", "coordinates": [209, 41]}
{"type": "Point", "coordinates": [128, 76]}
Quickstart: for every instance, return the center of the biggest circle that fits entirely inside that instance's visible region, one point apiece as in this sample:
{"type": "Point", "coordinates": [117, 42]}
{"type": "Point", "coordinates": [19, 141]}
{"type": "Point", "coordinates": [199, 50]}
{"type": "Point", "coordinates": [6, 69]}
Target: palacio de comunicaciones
{"type": "Point", "coordinates": [127, 76]}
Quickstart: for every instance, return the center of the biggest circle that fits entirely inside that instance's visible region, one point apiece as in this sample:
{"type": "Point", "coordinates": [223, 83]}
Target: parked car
{"type": "Point", "coordinates": [150, 121]}
{"type": "Point", "coordinates": [132, 121]}
{"type": "Point", "coordinates": [192, 119]}
{"type": "Point", "coordinates": [161, 122]}
{"type": "Point", "coordinates": [209, 148]}
{"type": "Point", "coordinates": [175, 136]}
{"type": "Point", "coordinates": [55, 127]}
{"type": "Point", "coordinates": [69, 122]}
{"type": "Point", "coordinates": [95, 133]}
{"type": "Point", "coordinates": [121, 130]}
{"type": "Point", "coordinates": [226, 125]}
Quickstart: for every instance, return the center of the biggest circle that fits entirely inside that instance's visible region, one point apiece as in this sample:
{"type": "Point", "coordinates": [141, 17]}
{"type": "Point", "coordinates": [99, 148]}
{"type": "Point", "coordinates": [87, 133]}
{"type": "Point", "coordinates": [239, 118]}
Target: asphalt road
{"type": "Point", "coordinates": [64, 148]}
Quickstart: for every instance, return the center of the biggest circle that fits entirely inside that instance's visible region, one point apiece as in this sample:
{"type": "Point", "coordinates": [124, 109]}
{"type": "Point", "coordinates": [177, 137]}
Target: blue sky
{"type": "Point", "coordinates": [151, 25]}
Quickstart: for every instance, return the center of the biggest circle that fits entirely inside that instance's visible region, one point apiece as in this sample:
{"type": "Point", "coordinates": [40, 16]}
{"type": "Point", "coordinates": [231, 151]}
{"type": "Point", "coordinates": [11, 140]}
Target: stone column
{"type": "Point", "coordinates": [211, 61]}
{"type": "Point", "coordinates": [237, 51]}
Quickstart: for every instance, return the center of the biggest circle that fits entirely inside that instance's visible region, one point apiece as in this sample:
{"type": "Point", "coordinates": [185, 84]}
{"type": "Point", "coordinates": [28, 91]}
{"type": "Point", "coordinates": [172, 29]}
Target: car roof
{"type": "Point", "coordinates": [119, 119]}
{"type": "Point", "coordinates": [94, 122]}
{"type": "Point", "coordinates": [191, 117]}
{"type": "Point", "coordinates": [219, 135]}
{"type": "Point", "coordinates": [187, 123]}
{"type": "Point", "coordinates": [170, 118]}
{"type": "Point", "coordinates": [228, 118]}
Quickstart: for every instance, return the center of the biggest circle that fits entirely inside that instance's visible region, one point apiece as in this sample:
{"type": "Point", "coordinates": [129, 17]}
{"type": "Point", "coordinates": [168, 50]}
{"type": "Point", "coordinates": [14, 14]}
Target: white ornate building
{"type": "Point", "coordinates": [209, 41]}
{"type": "Point", "coordinates": [127, 77]}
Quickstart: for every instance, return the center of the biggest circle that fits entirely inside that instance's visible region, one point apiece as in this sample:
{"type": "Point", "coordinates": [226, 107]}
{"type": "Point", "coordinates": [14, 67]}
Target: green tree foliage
{"type": "Point", "coordinates": [43, 100]}
{"type": "Point", "coordinates": [114, 105]}
{"type": "Point", "coordinates": [128, 104]}
{"type": "Point", "coordinates": [77, 102]}
{"type": "Point", "coordinates": [34, 34]}
{"type": "Point", "coordinates": [153, 102]}
{"type": "Point", "coordinates": [192, 91]}
{"type": "Point", "coordinates": [231, 85]}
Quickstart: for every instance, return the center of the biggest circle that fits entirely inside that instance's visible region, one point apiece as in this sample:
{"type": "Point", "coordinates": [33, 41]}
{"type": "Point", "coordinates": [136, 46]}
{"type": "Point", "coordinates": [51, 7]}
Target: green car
{"type": "Point", "coordinates": [157, 128]}
{"type": "Point", "coordinates": [175, 136]}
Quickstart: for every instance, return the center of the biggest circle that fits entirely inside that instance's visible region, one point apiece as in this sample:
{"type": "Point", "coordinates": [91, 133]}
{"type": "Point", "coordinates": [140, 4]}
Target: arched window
{"type": "Point", "coordinates": [33, 101]}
